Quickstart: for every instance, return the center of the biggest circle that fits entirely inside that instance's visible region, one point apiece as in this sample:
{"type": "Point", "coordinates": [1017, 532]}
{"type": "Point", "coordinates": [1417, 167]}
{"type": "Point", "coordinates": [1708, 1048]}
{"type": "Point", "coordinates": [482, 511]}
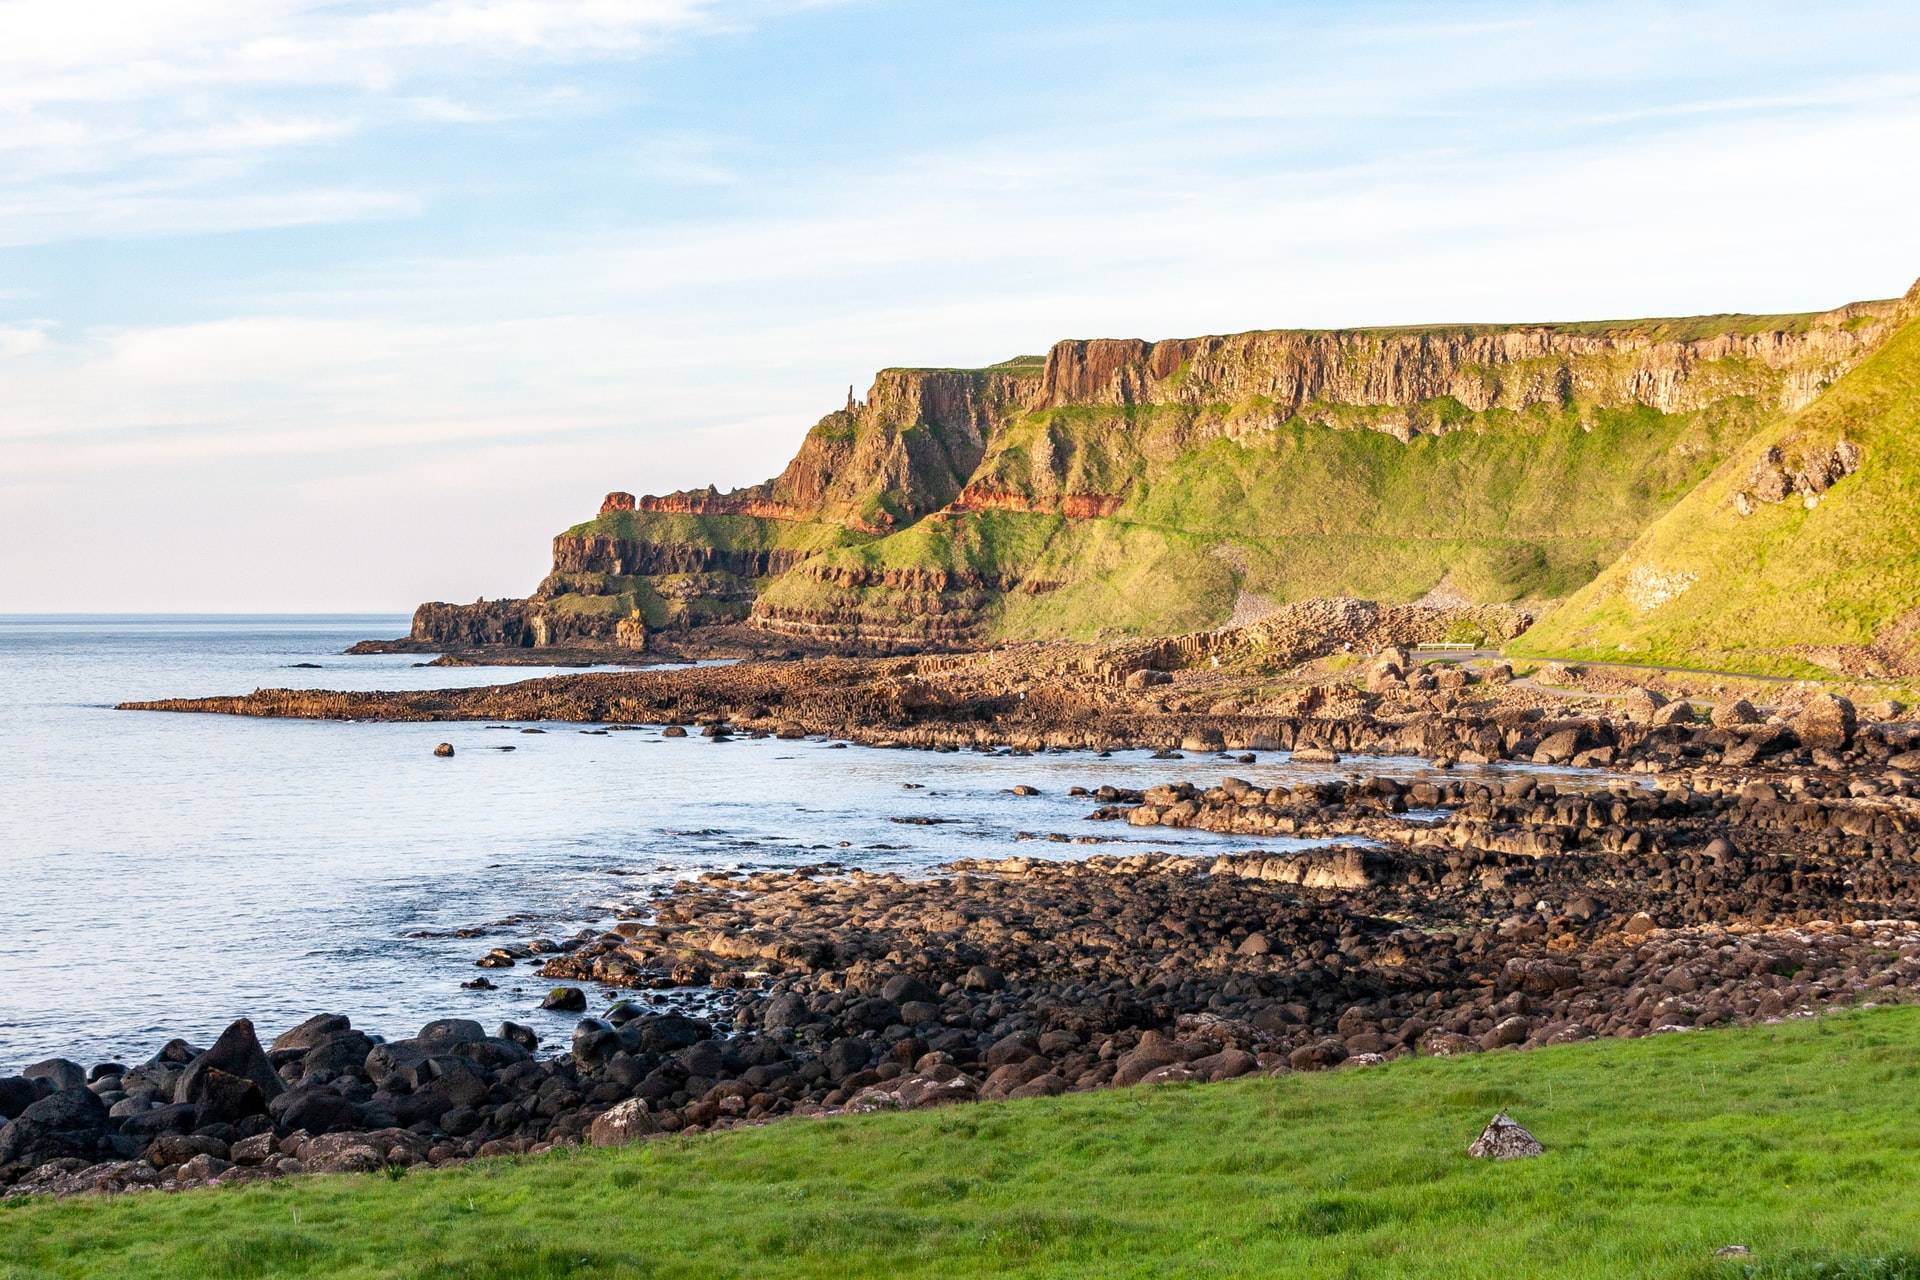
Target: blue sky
{"type": "Point", "coordinates": [349, 305]}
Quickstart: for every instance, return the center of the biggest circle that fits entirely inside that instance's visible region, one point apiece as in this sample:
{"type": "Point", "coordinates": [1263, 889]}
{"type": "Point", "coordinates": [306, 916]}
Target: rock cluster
{"type": "Point", "coordinates": [1697, 874]}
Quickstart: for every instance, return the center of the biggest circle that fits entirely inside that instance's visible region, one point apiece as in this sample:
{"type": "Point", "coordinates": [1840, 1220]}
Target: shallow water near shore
{"type": "Point", "coordinates": [167, 873]}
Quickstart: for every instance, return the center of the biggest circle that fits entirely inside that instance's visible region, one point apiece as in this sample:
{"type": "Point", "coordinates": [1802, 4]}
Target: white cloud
{"type": "Point", "coordinates": [21, 340]}
{"type": "Point", "coordinates": [94, 96]}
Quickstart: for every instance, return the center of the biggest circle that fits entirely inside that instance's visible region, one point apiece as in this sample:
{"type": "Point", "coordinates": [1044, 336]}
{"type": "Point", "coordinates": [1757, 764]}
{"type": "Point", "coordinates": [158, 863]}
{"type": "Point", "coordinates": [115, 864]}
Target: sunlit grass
{"type": "Point", "coordinates": [1797, 1141]}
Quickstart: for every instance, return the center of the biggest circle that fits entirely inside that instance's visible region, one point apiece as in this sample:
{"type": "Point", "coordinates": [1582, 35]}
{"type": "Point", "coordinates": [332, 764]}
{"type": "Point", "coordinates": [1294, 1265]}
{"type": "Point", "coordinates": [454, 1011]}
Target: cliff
{"type": "Point", "coordinates": [1123, 486]}
{"type": "Point", "coordinates": [1799, 555]}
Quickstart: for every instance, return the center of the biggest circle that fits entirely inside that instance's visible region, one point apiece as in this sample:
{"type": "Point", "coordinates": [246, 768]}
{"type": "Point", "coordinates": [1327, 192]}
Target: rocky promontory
{"type": "Point", "coordinates": [1128, 487]}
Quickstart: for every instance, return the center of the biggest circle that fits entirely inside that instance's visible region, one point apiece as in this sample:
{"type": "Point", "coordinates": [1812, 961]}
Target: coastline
{"type": "Point", "coordinates": [1709, 874]}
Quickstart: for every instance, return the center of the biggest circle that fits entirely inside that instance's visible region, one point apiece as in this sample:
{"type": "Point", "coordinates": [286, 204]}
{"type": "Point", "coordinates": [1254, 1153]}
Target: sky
{"type": "Point", "coordinates": [348, 305]}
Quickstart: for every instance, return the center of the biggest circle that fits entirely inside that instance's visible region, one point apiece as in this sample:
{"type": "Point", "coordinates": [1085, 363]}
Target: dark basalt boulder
{"type": "Point", "coordinates": [316, 1110]}
{"type": "Point", "coordinates": [172, 1118]}
{"type": "Point", "coordinates": [452, 1031]}
{"type": "Point", "coordinates": [317, 1030]}
{"type": "Point", "coordinates": [440, 1084]}
{"type": "Point", "coordinates": [343, 1054]}
{"type": "Point", "coordinates": [59, 1073]}
{"type": "Point", "coordinates": [669, 1031]}
{"type": "Point", "coordinates": [68, 1124]}
{"type": "Point", "coordinates": [222, 1098]}
{"type": "Point", "coordinates": [17, 1093]}
{"type": "Point", "coordinates": [236, 1053]}
{"type": "Point", "coordinates": [594, 1041]}
{"type": "Point", "coordinates": [76, 1108]}
{"type": "Point", "coordinates": [788, 1009]}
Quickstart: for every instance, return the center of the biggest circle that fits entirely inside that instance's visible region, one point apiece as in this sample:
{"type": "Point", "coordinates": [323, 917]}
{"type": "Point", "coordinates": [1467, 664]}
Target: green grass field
{"type": "Point", "coordinates": [1800, 1141]}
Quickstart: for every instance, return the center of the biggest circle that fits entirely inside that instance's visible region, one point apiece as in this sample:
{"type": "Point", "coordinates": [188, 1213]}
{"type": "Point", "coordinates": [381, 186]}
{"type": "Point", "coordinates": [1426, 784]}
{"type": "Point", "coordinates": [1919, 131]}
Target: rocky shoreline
{"type": "Point", "coordinates": [1713, 868]}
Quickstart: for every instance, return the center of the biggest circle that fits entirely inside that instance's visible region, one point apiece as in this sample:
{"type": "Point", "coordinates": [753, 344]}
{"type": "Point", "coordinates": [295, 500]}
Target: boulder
{"type": "Point", "coordinates": [1503, 1139]}
{"type": "Point", "coordinates": [316, 1111]}
{"type": "Point", "coordinates": [594, 1041]}
{"type": "Point", "coordinates": [1674, 713]}
{"type": "Point", "coordinates": [788, 1009]}
{"type": "Point", "coordinates": [319, 1028]}
{"type": "Point", "coordinates": [345, 1053]}
{"type": "Point", "coordinates": [903, 987]}
{"type": "Point", "coordinates": [845, 1056]}
{"type": "Point", "coordinates": [1153, 1052]}
{"type": "Point", "coordinates": [59, 1073]}
{"type": "Point", "coordinates": [625, 1122]}
{"type": "Point", "coordinates": [69, 1124]}
{"type": "Point", "coordinates": [17, 1093]}
{"type": "Point", "coordinates": [220, 1098]}
{"type": "Point", "coordinates": [237, 1053]}
{"type": "Point", "coordinates": [446, 1032]}
{"type": "Point", "coordinates": [1643, 705]}
{"type": "Point", "coordinates": [76, 1108]}
{"type": "Point", "coordinates": [667, 1032]}
{"type": "Point", "coordinates": [1826, 721]}
{"type": "Point", "coordinates": [983, 977]}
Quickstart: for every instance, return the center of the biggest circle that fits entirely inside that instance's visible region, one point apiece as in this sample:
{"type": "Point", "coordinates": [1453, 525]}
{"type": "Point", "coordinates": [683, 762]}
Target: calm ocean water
{"type": "Point", "coordinates": [165, 874]}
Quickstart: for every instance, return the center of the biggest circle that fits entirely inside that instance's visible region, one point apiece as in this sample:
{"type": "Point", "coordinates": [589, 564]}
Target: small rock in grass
{"type": "Point", "coordinates": [1504, 1139]}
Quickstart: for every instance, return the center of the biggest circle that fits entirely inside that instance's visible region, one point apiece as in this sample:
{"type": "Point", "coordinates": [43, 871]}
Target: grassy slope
{"type": "Point", "coordinates": [1797, 1140]}
{"type": "Point", "coordinates": [1508, 506]}
{"type": "Point", "coordinates": [731, 533]}
{"type": "Point", "coordinates": [1784, 576]}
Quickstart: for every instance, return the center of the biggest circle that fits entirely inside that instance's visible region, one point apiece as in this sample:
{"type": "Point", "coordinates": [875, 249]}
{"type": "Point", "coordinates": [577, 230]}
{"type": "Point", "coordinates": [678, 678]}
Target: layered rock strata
{"type": "Point", "coordinates": [935, 512]}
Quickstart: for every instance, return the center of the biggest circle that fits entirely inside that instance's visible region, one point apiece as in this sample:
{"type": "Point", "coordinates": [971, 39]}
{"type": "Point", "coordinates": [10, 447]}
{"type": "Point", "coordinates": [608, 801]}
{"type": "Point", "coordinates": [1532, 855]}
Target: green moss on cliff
{"type": "Point", "coordinates": [725, 532]}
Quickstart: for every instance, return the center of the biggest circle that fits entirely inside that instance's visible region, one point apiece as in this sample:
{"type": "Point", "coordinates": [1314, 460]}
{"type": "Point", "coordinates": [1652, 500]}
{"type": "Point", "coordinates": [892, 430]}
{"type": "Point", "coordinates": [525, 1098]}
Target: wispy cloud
{"type": "Point", "coordinates": [716, 278]}
{"type": "Point", "coordinates": [99, 94]}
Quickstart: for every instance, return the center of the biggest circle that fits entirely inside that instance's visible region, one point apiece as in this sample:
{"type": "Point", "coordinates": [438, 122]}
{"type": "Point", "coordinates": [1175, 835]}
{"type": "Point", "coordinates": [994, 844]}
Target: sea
{"type": "Point", "coordinates": [163, 874]}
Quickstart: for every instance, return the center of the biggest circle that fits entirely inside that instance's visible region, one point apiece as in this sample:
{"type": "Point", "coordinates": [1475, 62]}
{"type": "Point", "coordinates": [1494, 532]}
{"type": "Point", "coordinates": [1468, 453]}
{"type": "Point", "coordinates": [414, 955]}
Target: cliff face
{"type": "Point", "coordinates": [1122, 485]}
{"type": "Point", "coordinates": [881, 463]}
{"type": "Point", "coordinates": [1516, 368]}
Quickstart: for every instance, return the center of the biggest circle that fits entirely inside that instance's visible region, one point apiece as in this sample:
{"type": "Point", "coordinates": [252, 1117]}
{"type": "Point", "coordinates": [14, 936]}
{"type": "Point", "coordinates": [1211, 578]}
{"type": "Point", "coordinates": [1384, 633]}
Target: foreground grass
{"type": "Point", "coordinates": [1799, 1141]}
